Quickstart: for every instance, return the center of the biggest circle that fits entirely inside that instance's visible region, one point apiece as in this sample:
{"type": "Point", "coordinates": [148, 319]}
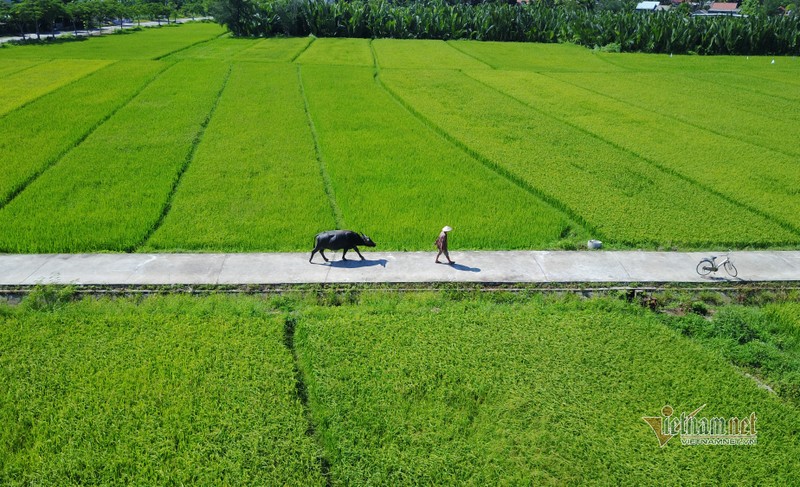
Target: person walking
{"type": "Point", "coordinates": [441, 244]}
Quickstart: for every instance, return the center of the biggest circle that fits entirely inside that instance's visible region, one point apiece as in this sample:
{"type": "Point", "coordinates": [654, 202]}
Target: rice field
{"type": "Point", "coordinates": [184, 138]}
{"type": "Point", "coordinates": [386, 388]}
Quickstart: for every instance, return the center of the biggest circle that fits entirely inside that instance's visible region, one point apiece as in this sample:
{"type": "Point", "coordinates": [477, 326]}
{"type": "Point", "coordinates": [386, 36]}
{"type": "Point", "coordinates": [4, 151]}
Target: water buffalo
{"type": "Point", "coordinates": [339, 239]}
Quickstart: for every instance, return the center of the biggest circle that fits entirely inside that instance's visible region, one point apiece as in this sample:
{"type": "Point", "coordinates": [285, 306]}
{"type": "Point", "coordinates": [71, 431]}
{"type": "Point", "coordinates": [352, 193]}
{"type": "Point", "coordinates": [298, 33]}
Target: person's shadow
{"type": "Point", "coordinates": [355, 264]}
{"type": "Point", "coordinates": [464, 268]}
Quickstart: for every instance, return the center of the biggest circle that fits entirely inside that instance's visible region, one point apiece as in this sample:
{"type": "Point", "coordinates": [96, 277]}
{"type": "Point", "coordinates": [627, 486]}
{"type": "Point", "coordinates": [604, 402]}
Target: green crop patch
{"type": "Point", "coordinates": [118, 180]}
{"type": "Point", "coordinates": [371, 144]}
{"type": "Point", "coordinates": [698, 64]}
{"type": "Point", "coordinates": [772, 99]}
{"type": "Point", "coordinates": [624, 196]}
{"type": "Point", "coordinates": [714, 161]}
{"type": "Point", "coordinates": [172, 391]}
{"type": "Point", "coordinates": [36, 135]}
{"type": "Point", "coordinates": [150, 43]}
{"type": "Point", "coordinates": [275, 49]}
{"type": "Point", "coordinates": [533, 57]}
{"type": "Point", "coordinates": [394, 53]}
{"type": "Point", "coordinates": [11, 66]}
{"type": "Point", "coordinates": [22, 87]}
{"type": "Point", "coordinates": [517, 145]}
{"type": "Point", "coordinates": [351, 52]}
{"type": "Point", "coordinates": [421, 390]}
{"type": "Point", "coordinates": [223, 48]}
{"type": "Point", "coordinates": [745, 116]}
{"type": "Point", "coordinates": [254, 183]}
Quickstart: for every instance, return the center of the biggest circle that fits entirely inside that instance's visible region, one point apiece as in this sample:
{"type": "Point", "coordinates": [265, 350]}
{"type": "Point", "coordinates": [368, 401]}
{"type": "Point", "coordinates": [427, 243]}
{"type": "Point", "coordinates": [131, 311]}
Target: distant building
{"type": "Point", "coordinates": [722, 8]}
{"type": "Point", "coordinates": [647, 6]}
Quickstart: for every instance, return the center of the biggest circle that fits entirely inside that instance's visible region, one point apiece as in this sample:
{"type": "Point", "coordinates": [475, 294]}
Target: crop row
{"type": "Point", "coordinates": [620, 193]}
{"type": "Point", "coordinates": [779, 97]}
{"type": "Point", "coordinates": [534, 57]}
{"type": "Point", "coordinates": [109, 192]}
{"type": "Point", "coordinates": [242, 49]}
{"type": "Point", "coordinates": [392, 174]}
{"type": "Point", "coordinates": [416, 391]}
{"type": "Point", "coordinates": [11, 66]}
{"type": "Point", "coordinates": [758, 177]}
{"type": "Point", "coordinates": [254, 182]}
{"type": "Point", "coordinates": [753, 117]}
{"type": "Point", "coordinates": [24, 86]}
{"type": "Point", "coordinates": [36, 135]}
{"type": "Point", "coordinates": [393, 53]}
{"type": "Point", "coordinates": [151, 43]}
{"type": "Point", "coordinates": [351, 52]}
{"type": "Point", "coordinates": [167, 392]}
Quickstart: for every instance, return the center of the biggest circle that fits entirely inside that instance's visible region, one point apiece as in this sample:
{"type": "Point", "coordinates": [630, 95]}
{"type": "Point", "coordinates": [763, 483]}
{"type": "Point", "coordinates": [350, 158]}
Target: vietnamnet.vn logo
{"type": "Point", "coordinates": [697, 430]}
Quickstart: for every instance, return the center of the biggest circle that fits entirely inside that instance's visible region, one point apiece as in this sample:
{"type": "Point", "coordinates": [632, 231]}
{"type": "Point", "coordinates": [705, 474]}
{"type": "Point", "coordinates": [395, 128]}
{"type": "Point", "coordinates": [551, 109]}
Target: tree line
{"type": "Point", "coordinates": [588, 23]}
{"type": "Point", "coordinates": [43, 17]}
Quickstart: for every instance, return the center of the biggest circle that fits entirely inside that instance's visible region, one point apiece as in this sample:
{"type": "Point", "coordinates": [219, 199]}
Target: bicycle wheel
{"type": "Point", "coordinates": [731, 269]}
{"type": "Point", "coordinates": [705, 267]}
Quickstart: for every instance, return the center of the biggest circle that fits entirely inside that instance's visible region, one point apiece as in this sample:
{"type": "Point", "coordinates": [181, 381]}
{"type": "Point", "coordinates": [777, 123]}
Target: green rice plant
{"type": "Point", "coordinates": [353, 52]}
{"type": "Point", "coordinates": [38, 134]}
{"type": "Point", "coordinates": [273, 49]}
{"type": "Point", "coordinates": [149, 43]}
{"type": "Point", "coordinates": [23, 86]}
{"type": "Point", "coordinates": [422, 390]}
{"type": "Point", "coordinates": [254, 182]}
{"type": "Point", "coordinates": [170, 391]}
{"type": "Point", "coordinates": [392, 53]}
{"type": "Point", "coordinates": [11, 66]}
{"type": "Point", "coordinates": [222, 48]}
{"type": "Point", "coordinates": [637, 61]}
{"type": "Point", "coordinates": [398, 181]}
{"type": "Point", "coordinates": [625, 197]}
{"type": "Point", "coordinates": [759, 119]}
{"type": "Point", "coordinates": [758, 178]}
{"type": "Point", "coordinates": [776, 97]}
{"type": "Point", "coordinates": [110, 191]}
{"type": "Point", "coordinates": [533, 57]}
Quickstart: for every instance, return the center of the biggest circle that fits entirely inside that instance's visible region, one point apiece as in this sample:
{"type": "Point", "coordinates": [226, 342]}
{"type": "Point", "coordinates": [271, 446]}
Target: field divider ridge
{"type": "Point", "coordinates": [159, 58]}
{"type": "Point", "coordinates": [47, 93]}
{"type": "Point", "coordinates": [666, 170]}
{"type": "Point", "coordinates": [301, 390]}
{"type": "Point", "coordinates": [704, 128]}
{"type": "Point", "coordinates": [748, 89]}
{"type": "Point", "coordinates": [22, 186]}
{"type": "Point", "coordinates": [301, 51]}
{"type": "Point", "coordinates": [189, 157]}
{"type": "Point", "coordinates": [323, 168]}
{"type": "Point", "coordinates": [491, 165]}
{"type": "Point", "coordinates": [451, 44]}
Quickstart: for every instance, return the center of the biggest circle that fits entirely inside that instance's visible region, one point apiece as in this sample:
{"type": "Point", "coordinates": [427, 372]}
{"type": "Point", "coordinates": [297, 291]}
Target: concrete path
{"type": "Point", "coordinates": [106, 29]}
{"type": "Point", "coordinates": [390, 267]}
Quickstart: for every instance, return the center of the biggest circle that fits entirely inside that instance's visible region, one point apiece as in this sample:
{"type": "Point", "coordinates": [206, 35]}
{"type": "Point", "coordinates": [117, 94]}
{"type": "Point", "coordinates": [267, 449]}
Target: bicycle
{"type": "Point", "coordinates": [708, 265]}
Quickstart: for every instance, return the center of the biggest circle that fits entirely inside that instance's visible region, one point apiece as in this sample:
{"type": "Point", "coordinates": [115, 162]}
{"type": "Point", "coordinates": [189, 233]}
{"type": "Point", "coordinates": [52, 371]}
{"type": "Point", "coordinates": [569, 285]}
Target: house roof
{"type": "Point", "coordinates": [723, 7]}
{"type": "Point", "coordinates": [647, 6]}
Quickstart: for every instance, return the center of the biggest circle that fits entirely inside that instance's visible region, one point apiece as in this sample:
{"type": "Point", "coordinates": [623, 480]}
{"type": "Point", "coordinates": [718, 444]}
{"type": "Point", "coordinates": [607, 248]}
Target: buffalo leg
{"type": "Point", "coordinates": [322, 253]}
{"type": "Point", "coordinates": [344, 253]}
{"type": "Point", "coordinates": [359, 253]}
